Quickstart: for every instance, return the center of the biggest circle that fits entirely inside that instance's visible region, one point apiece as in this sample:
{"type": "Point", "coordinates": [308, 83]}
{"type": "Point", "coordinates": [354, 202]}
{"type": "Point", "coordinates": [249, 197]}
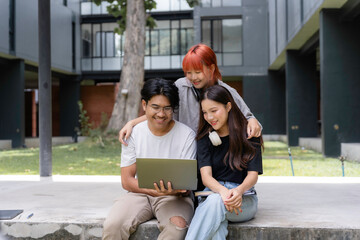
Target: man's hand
{"type": "Point", "coordinates": [253, 128]}
{"type": "Point", "coordinates": [162, 191]}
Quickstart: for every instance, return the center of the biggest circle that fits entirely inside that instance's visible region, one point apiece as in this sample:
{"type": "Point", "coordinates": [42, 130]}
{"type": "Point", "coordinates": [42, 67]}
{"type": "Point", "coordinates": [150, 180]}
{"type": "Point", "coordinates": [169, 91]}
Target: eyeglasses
{"type": "Point", "coordinates": [157, 108]}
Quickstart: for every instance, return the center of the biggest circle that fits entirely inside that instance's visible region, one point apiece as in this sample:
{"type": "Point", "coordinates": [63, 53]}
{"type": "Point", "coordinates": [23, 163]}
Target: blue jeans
{"type": "Point", "coordinates": [211, 217]}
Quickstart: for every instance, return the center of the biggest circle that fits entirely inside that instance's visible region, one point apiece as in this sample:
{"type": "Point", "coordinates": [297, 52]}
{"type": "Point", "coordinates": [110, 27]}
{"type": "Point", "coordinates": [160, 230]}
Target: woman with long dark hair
{"type": "Point", "coordinates": [229, 164]}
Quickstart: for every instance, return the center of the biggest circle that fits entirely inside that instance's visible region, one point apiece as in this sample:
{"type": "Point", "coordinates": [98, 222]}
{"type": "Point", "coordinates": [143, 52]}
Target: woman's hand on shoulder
{"type": "Point", "coordinates": [125, 133]}
{"type": "Point", "coordinates": [253, 128]}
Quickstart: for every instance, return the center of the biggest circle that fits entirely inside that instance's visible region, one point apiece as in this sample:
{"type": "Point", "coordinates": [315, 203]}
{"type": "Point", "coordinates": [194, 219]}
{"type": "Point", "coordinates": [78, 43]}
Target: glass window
{"type": "Point", "coordinates": [103, 44]}
{"type": "Point", "coordinates": [217, 36]}
{"type": "Point", "coordinates": [189, 38]}
{"type": "Point", "coordinates": [175, 41]}
{"type": "Point", "coordinates": [123, 43]}
{"type": "Point", "coordinates": [187, 23]}
{"type": "Point", "coordinates": [220, 3]}
{"type": "Point", "coordinates": [186, 40]}
{"type": "Point", "coordinates": [206, 32]}
{"type": "Point", "coordinates": [108, 27]}
{"type": "Point", "coordinates": [175, 24]}
{"type": "Point", "coordinates": [118, 49]}
{"type": "Point", "coordinates": [154, 38]}
{"type": "Point", "coordinates": [164, 43]}
{"type": "Point", "coordinates": [147, 42]}
{"type": "Point", "coordinates": [96, 33]}
{"type": "Point", "coordinates": [86, 40]}
{"type": "Point", "coordinates": [231, 3]}
{"type": "Point", "coordinates": [225, 37]}
{"type": "Point", "coordinates": [232, 35]}
{"type": "Point", "coordinates": [110, 44]}
{"type": "Point", "coordinates": [162, 24]}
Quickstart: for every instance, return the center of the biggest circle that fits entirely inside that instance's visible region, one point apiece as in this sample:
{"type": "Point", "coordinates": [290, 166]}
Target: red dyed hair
{"type": "Point", "coordinates": [199, 55]}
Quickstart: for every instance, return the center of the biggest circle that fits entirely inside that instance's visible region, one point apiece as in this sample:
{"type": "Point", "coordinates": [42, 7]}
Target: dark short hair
{"type": "Point", "coordinates": [159, 86]}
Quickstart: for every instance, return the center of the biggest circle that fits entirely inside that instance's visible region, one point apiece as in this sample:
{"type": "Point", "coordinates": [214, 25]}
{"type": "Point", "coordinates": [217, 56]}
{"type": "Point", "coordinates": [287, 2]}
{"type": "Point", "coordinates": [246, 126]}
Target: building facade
{"type": "Point", "coordinates": [313, 74]}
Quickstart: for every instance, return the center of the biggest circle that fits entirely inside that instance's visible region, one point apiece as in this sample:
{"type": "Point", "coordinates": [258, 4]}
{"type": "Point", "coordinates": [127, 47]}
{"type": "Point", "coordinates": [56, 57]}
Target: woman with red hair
{"type": "Point", "coordinates": [201, 71]}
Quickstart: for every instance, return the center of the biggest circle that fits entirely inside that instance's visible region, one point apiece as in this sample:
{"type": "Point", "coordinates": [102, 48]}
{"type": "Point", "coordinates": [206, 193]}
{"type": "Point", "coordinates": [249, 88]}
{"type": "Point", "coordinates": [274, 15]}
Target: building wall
{"type": "Point", "coordinates": [254, 15]}
{"type": "Point", "coordinates": [286, 18]}
{"type": "Point", "coordinates": [75, 8]}
{"type": "Point", "coordinates": [97, 100]}
{"type": "Point", "coordinates": [4, 27]}
{"type": "Point", "coordinates": [61, 33]}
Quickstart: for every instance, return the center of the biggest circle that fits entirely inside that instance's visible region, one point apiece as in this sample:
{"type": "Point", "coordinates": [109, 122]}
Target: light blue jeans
{"type": "Point", "coordinates": [211, 217]}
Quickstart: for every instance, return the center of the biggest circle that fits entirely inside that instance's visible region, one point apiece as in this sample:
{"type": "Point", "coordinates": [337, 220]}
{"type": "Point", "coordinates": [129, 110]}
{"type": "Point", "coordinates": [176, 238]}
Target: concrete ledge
{"type": "Point", "coordinates": [149, 230]}
{"type": "Point", "coordinates": [275, 137]}
{"type": "Point", "coordinates": [5, 144]}
{"type": "Point", "coordinates": [68, 207]}
{"type": "Point", "coordinates": [311, 143]}
{"type": "Point", "coordinates": [34, 142]}
{"type": "Point", "coordinates": [51, 230]}
{"type": "Point", "coordinates": [351, 151]}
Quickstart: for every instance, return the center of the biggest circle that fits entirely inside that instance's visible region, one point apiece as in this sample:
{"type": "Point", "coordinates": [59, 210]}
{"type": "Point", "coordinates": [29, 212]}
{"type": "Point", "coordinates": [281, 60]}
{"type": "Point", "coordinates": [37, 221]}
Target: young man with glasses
{"type": "Point", "coordinates": [158, 137]}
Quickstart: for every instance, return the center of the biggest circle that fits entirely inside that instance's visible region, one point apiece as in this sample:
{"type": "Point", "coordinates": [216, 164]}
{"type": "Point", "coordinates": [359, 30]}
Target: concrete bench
{"type": "Point", "coordinates": [289, 208]}
{"type": "Point", "coordinates": [149, 230]}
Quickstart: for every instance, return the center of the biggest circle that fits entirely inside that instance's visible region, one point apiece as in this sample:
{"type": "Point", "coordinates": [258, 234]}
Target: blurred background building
{"type": "Point", "coordinates": [295, 62]}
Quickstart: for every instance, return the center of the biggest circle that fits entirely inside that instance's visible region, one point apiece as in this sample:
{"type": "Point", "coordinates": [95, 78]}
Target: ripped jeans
{"type": "Point", "coordinates": [131, 209]}
{"type": "Point", "coordinates": [211, 217]}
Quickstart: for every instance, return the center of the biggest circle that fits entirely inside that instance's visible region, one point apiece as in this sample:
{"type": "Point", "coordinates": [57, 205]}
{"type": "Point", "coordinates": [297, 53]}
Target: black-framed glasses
{"type": "Point", "coordinates": [157, 108]}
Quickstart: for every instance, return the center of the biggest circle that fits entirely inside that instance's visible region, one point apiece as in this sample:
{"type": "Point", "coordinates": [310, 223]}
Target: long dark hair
{"type": "Point", "coordinates": [241, 151]}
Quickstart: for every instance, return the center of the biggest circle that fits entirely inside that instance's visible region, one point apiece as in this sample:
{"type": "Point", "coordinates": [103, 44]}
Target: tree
{"type": "Point", "coordinates": [133, 19]}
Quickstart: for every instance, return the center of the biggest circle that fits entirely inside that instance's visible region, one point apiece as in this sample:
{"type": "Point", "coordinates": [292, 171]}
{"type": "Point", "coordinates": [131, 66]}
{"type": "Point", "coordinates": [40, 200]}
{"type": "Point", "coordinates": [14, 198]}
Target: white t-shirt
{"type": "Point", "coordinates": [179, 142]}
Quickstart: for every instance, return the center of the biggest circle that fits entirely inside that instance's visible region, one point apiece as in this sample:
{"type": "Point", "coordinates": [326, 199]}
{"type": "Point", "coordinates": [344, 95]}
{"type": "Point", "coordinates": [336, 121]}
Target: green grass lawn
{"type": "Point", "coordinates": [86, 158]}
{"type": "Point", "coordinates": [89, 158]}
{"type": "Point", "coordinates": [276, 162]}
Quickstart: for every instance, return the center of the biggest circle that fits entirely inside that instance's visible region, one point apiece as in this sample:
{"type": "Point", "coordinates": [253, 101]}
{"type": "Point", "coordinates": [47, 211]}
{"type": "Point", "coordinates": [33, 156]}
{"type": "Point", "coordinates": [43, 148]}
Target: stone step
{"type": "Point", "coordinates": [149, 230]}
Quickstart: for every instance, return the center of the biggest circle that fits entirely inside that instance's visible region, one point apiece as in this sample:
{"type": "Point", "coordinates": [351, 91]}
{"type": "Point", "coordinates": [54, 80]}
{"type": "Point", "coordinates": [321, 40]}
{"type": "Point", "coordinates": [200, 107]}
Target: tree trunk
{"type": "Point", "coordinates": [132, 74]}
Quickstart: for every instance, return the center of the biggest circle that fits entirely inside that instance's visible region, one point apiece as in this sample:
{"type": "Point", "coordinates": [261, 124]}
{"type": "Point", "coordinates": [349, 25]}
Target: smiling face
{"type": "Point", "coordinates": [216, 114]}
{"type": "Point", "coordinates": [159, 113]}
{"type": "Point", "coordinates": [200, 78]}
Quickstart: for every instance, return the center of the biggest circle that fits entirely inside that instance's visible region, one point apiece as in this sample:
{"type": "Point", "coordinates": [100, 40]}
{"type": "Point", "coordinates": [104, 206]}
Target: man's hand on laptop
{"type": "Point", "coordinates": [169, 190]}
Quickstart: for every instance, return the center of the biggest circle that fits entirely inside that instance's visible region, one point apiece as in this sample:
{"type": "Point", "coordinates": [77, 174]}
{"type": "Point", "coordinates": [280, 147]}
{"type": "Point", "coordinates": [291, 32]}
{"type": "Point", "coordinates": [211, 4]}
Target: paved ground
{"type": "Point", "coordinates": [66, 202]}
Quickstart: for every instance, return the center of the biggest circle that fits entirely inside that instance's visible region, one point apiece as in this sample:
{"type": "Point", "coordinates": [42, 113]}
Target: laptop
{"type": "Point", "coordinates": [182, 173]}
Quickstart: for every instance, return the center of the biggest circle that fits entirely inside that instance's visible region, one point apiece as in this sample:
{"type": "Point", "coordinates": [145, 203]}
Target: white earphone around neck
{"type": "Point", "coordinates": [214, 138]}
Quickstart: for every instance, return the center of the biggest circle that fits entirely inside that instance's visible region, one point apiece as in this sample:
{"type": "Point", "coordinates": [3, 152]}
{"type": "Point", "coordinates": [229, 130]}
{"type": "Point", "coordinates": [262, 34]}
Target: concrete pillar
{"type": "Point", "coordinates": [265, 96]}
{"type": "Point", "coordinates": [301, 96]}
{"type": "Point", "coordinates": [276, 108]}
{"type": "Point", "coordinates": [12, 83]}
{"type": "Point", "coordinates": [69, 109]}
{"type": "Point", "coordinates": [340, 82]}
{"type": "Point", "coordinates": [45, 84]}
